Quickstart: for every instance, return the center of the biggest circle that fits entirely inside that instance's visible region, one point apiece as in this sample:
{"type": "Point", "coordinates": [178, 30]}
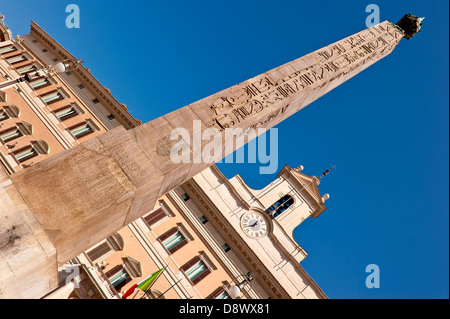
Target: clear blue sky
{"type": "Point", "coordinates": [386, 130]}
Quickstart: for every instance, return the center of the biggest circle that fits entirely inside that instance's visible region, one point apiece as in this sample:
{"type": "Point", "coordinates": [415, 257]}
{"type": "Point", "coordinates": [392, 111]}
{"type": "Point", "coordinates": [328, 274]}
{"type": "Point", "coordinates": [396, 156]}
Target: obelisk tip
{"type": "Point", "coordinates": [410, 25]}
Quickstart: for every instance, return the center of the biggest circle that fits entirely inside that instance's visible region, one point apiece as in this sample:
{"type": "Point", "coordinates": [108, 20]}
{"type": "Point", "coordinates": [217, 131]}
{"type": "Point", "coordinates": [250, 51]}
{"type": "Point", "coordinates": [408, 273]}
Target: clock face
{"type": "Point", "coordinates": [254, 225]}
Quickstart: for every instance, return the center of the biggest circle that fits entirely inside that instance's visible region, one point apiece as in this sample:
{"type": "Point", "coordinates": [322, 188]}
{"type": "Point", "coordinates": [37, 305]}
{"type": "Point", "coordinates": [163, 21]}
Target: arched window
{"type": "Point", "coordinates": [280, 206]}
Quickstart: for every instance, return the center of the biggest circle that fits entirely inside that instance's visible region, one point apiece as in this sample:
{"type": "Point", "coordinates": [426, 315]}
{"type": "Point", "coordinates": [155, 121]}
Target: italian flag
{"type": "Point", "coordinates": [144, 284]}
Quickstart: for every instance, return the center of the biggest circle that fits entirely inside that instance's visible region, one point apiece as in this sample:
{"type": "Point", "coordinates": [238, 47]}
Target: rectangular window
{"type": "Point", "coordinates": [25, 154]}
{"type": "Point", "coordinates": [44, 50]}
{"type": "Point", "coordinates": [185, 197]}
{"type": "Point", "coordinates": [95, 101]}
{"type": "Point", "coordinates": [223, 295]}
{"type": "Point", "coordinates": [16, 59]}
{"type": "Point", "coordinates": [3, 116]}
{"type": "Point", "coordinates": [81, 86]}
{"type": "Point", "coordinates": [55, 60]}
{"type": "Point", "coordinates": [68, 73]}
{"type": "Point", "coordinates": [111, 117]}
{"type": "Point", "coordinates": [98, 251]}
{"type": "Point", "coordinates": [81, 130]}
{"type": "Point", "coordinates": [219, 293]}
{"type": "Point", "coordinates": [225, 248]}
{"type": "Point", "coordinates": [155, 217]}
{"type": "Point", "coordinates": [39, 83]}
{"type": "Point", "coordinates": [52, 97]}
{"type": "Point", "coordinates": [173, 239]}
{"type": "Point", "coordinates": [118, 277]}
{"type": "Point", "coordinates": [27, 69]}
{"type": "Point", "coordinates": [7, 49]}
{"type": "Point", "coordinates": [10, 134]}
{"type": "Point", "coordinates": [196, 270]}
{"type": "Point", "coordinates": [65, 113]}
{"type": "Point", "coordinates": [203, 219]}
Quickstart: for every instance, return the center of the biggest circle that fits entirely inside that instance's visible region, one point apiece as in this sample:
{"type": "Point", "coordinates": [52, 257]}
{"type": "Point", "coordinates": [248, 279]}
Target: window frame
{"type": "Point", "coordinates": [23, 150]}
{"type": "Point", "coordinates": [5, 115]}
{"type": "Point", "coordinates": [184, 234]}
{"type": "Point", "coordinates": [88, 123]}
{"type": "Point", "coordinates": [116, 270]}
{"type": "Point", "coordinates": [274, 210]}
{"type": "Point", "coordinates": [114, 242]}
{"type": "Point", "coordinates": [11, 130]}
{"type": "Point", "coordinates": [33, 65]}
{"type": "Point", "coordinates": [9, 45]}
{"type": "Point", "coordinates": [25, 57]}
{"type": "Point", "coordinates": [60, 91]}
{"type": "Point", "coordinates": [217, 293]}
{"type": "Point", "coordinates": [72, 106]}
{"type": "Point", "coordinates": [201, 258]}
{"type": "Point", "coordinates": [159, 218]}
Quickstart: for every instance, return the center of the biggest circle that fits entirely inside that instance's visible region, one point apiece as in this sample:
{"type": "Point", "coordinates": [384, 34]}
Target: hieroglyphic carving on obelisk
{"type": "Point", "coordinates": [82, 195]}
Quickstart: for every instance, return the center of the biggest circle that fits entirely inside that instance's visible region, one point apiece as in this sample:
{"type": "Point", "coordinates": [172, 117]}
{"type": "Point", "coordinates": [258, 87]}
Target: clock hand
{"type": "Point", "coordinates": [256, 223]}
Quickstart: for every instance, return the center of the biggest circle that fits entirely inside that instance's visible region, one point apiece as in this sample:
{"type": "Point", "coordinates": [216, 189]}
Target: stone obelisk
{"type": "Point", "coordinates": [82, 195]}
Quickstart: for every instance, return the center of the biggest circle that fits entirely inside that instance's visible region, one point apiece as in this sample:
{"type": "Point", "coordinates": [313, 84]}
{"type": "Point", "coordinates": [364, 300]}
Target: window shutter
{"type": "Point", "coordinates": [216, 293]}
{"type": "Point", "coordinates": [55, 97]}
{"type": "Point", "coordinates": [25, 69]}
{"type": "Point", "coordinates": [98, 251]}
{"type": "Point", "coordinates": [65, 113]}
{"type": "Point", "coordinates": [167, 234]}
{"type": "Point", "coordinates": [8, 130]}
{"type": "Point", "coordinates": [21, 156]}
{"type": "Point", "coordinates": [178, 246]}
{"type": "Point", "coordinates": [155, 217]}
{"type": "Point", "coordinates": [123, 283]}
{"type": "Point", "coordinates": [82, 129]}
{"type": "Point", "coordinates": [201, 276]}
{"type": "Point", "coordinates": [113, 271]}
{"type": "Point", "coordinates": [190, 263]}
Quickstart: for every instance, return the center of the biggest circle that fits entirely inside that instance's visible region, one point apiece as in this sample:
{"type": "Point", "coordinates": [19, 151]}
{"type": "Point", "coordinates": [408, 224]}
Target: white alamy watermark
{"type": "Point", "coordinates": [222, 143]}
{"type": "Point", "coordinates": [374, 17]}
{"type": "Point", "coordinates": [73, 276]}
{"type": "Point", "coordinates": [73, 19]}
{"type": "Point", "coordinates": [373, 279]}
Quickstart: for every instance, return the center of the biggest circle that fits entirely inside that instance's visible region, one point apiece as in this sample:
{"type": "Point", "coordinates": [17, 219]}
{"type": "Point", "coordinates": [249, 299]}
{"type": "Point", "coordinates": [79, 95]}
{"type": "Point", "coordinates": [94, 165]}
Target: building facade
{"type": "Point", "coordinates": [53, 111]}
{"type": "Point", "coordinates": [209, 234]}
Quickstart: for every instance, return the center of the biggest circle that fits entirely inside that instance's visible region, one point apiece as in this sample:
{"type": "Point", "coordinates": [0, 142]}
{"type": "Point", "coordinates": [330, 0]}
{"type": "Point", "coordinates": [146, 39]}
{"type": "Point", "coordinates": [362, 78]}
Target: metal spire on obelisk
{"type": "Point", "coordinates": [410, 25]}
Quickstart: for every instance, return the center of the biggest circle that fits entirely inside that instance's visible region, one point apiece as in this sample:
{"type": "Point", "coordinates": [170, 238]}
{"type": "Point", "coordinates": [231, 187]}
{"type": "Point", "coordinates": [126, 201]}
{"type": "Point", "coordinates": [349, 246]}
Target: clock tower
{"type": "Point", "coordinates": [258, 226]}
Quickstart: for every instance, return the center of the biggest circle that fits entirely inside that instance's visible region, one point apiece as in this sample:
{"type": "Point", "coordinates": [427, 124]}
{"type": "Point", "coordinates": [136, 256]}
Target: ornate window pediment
{"type": "Point", "coordinates": [132, 266]}
{"type": "Point", "coordinates": [12, 111]}
{"type": "Point", "coordinates": [116, 241]}
{"type": "Point", "coordinates": [26, 128]}
{"type": "Point", "coordinates": [41, 146]}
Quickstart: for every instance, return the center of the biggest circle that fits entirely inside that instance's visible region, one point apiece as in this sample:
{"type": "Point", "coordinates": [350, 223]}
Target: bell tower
{"type": "Point", "coordinates": [258, 225]}
{"type": "Point", "coordinates": [291, 198]}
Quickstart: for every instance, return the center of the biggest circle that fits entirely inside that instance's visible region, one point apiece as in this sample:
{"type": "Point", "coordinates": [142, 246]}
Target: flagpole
{"type": "Point", "coordinates": [136, 293]}
{"type": "Point", "coordinates": [169, 289]}
{"type": "Point", "coordinates": [154, 281]}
